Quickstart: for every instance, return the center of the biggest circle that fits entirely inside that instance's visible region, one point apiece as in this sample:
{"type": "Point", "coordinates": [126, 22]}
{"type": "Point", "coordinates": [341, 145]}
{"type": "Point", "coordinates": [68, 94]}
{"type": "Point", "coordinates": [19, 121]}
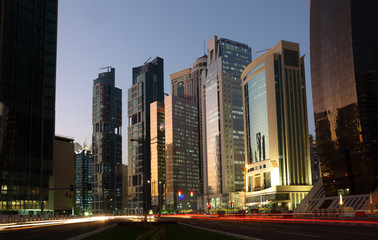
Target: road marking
{"type": "Point", "coordinates": [358, 233]}
{"type": "Point", "coordinates": [221, 232]}
{"type": "Point", "coordinates": [85, 235]}
{"type": "Point", "coordinates": [299, 234]}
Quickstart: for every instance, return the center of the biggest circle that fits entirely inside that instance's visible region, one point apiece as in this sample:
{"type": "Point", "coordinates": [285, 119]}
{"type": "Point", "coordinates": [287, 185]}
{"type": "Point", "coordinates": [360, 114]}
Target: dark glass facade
{"type": "Point", "coordinates": [148, 87]}
{"type": "Point", "coordinates": [344, 71]}
{"type": "Point", "coordinates": [83, 181]}
{"type": "Point", "coordinates": [28, 33]}
{"type": "Point", "coordinates": [107, 144]}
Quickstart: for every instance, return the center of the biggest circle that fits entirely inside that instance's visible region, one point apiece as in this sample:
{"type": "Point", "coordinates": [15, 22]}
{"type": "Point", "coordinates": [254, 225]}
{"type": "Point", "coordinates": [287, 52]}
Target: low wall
{"type": "Point", "coordinates": [28, 218]}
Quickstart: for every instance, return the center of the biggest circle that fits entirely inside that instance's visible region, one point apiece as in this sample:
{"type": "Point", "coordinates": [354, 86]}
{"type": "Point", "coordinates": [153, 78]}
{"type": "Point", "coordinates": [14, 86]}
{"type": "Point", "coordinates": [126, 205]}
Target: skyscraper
{"type": "Point", "coordinates": [182, 153]}
{"type": "Point", "coordinates": [107, 144]}
{"type": "Point", "coordinates": [27, 103]}
{"type": "Point", "coordinates": [148, 87]}
{"type": "Point", "coordinates": [278, 170]}
{"type": "Point", "coordinates": [199, 66]}
{"type": "Point", "coordinates": [83, 181]}
{"type": "Point", "coordinates": [344, 75]}
{"type": "Point", "coordinates": [188, 83]}
{"type": "Point", "coordinates": [181, 83]}
{"type": "Point", "coordinates": [157, 139]}
{"type": "Point", "coordinates": [223, 120]}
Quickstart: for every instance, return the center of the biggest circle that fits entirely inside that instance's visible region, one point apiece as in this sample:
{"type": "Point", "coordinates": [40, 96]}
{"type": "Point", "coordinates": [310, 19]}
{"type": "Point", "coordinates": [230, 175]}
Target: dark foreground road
{"type": "Point", "coordinates": [253, 230]}
{"type": "Point", "coordinates": [55, 232]}
{"type": "Point", "coordinates": [281, 230]}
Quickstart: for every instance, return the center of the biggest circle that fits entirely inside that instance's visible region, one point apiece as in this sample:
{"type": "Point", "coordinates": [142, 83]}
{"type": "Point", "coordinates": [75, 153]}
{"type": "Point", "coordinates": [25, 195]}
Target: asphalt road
{"type": "Point", "coordinates": [281, 230]}
{"type": "Point", "coordinates": [55, 232]}
{"type": "Point", "coordinates": [255, 230]}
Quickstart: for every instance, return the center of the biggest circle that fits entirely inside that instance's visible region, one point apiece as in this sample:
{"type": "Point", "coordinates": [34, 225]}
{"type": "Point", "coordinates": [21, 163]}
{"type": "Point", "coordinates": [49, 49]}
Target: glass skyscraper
{"type": "Point", "coordinates": [27, 103]}
{"type": "Point", "coordinates": [107, 144]}
{"type": "Point", "coordinates": [278, 170]}
{"type": "Point", "coordinates": [223, 116]}
{"type": "Point", "coordinates": [344, 75]}
{"type": "Point", "coordinates": [83, 181]}
{"type": "Point", "coordinates": [148, 87]}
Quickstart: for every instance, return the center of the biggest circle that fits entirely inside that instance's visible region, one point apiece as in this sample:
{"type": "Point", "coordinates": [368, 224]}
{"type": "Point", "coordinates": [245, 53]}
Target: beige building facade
{"type": "Point", "coordinates": [278, 169]}
{"type": "Point", "coordinates": [63, 176]}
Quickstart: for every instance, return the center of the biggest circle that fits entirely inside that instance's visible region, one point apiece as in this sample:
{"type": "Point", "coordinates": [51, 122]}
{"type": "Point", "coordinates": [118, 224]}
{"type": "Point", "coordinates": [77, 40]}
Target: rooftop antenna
{"type": "Point", "coordinates": [147, 60]}
{"type": "Point", "coordinates": [108, 68]}
{"type": "Point", "coordinates": [261, 51]}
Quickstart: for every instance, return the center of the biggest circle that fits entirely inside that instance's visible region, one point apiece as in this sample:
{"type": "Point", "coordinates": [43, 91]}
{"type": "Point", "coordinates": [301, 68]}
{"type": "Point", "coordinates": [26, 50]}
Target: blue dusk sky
{"type": "Point", "coordinates": [124, 34]}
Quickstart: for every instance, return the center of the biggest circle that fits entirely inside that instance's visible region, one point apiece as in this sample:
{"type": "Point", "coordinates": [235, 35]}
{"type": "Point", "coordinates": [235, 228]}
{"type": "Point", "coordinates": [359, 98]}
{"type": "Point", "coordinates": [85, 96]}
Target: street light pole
{"type": "Point", "coordinates": [159, 198]}
{"type": "Point", "coordinates": [245, 189]}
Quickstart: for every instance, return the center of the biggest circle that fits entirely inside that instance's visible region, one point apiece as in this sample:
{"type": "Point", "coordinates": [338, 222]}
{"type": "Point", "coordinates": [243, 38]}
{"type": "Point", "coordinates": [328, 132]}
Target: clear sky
{"type": "Point", "coordinates": [124, 34]}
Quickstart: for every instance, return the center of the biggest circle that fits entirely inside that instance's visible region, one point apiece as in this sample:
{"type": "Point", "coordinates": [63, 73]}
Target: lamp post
{"type": "Point", "coordinates": [245, 183]}
{"type": "Point", "coordinates": [159, 198]}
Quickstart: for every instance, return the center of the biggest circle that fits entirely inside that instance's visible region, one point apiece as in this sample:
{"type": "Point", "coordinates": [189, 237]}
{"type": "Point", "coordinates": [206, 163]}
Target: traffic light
{"type": "Point", "coordinates": [208, 206]}
{"type": "Point", "coordinates": [191, 193]}
{"type": "Point", "coordinates": [232, 204]}
{"type": "Point", "coordinates": [179, 193]}
{"type": "Point", "coordinates": [71, 188]}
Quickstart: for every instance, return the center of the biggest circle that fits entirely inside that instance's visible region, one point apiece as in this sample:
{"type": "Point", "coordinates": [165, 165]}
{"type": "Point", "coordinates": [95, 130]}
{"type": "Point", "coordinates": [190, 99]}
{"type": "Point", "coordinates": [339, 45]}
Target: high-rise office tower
{"type": "Point", "coordinates": [182, 153]}
{"type": "Point", "coordinates": [107, 144]}
{"type": "Point", "coordinates": [278, 170]}
{"type": "Point", "coordinates": [181, 83]}
{"type": "Point", "coordinates": [83, 181]}
{"type": "Point", "coordinates": [188, 83]}
{"type": "Point", "coordinates": [148, 87]}
{"type": "Point", "coordinates": [27, 103]}
{"type": "Point", "coordinates": [199, 66]}
{"type": "Point", "coordinates": [224, 131]}
{"type": "Point", "coordinates": [344, 75]}
{"type": "Point", "coordinates": [157, 139]}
